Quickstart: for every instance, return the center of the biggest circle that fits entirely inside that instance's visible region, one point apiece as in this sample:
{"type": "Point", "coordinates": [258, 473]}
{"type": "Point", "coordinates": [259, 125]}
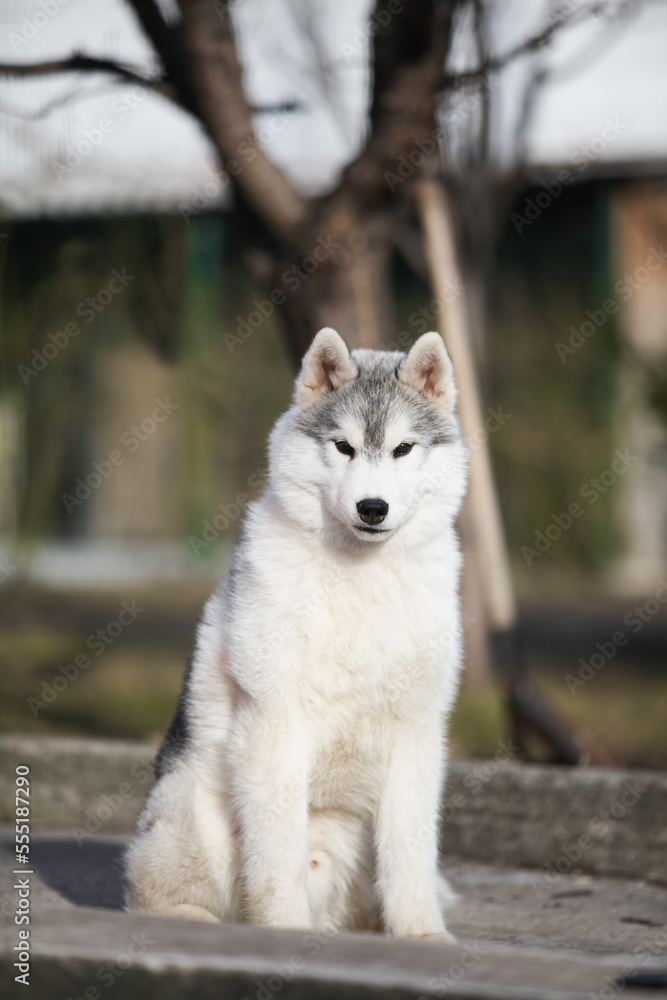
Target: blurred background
{"type": "Point", "coordinates": [166, 175]}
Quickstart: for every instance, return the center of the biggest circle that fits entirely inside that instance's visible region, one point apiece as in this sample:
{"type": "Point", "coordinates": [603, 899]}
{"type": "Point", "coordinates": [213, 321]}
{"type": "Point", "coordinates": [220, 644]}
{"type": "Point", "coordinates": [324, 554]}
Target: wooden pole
{"type": "Point", "coordinates": [527, 709]}
{"type": "Point", "coordinates": [444, 274]}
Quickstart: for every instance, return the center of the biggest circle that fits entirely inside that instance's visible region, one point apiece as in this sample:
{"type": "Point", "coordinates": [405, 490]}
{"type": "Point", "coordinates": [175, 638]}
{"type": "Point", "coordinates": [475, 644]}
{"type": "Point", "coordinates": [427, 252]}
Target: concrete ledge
{"type": "Point", "coordinates": [609, 822]}
{"type": "Point", "coordinates": [77, 782]}
{"type": "Point", "coordinates": [91, 950]}
{"type": "Point", "coordinates": [612, 822]}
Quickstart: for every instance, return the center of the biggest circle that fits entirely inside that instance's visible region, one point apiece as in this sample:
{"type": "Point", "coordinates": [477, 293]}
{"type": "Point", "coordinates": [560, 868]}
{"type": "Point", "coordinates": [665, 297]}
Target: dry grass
{"type": "Point", "coordinates": [130, 689]}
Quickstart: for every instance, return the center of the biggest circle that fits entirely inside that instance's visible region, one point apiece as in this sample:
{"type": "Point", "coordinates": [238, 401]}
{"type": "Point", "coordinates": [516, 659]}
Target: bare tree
{"type": "Point", "coordinates": [349, 234]}
{"type": "Point", "coordinates": [359, 219]}
{"type": "Point", "coordinates": [349, 287]}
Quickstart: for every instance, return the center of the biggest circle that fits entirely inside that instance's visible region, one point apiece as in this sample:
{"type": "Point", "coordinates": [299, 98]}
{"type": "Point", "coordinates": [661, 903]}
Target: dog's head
{"type": "Point", "coordinates": [371, 447]}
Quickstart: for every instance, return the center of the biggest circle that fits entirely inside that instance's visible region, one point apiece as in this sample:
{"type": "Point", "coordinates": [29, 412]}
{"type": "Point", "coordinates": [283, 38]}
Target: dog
{"type": "Point", "coordinates": [299, 784]}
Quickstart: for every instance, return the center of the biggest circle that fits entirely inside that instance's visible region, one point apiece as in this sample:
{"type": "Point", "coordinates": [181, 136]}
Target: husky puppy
{"type": "Point", "coordinates": [300, 781]}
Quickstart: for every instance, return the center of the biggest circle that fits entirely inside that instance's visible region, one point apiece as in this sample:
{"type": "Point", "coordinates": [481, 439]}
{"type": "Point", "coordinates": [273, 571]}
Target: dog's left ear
{"type": "Point", "coordinates": [326, 366]}
{"type": "Point", "coordinates": [428, 369]}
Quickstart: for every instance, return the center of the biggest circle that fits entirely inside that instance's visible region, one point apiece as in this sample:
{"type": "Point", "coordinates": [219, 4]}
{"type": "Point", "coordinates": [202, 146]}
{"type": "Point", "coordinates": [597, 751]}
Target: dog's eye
{"type": "Point", "coordinates": [345, 448]}
{"type": "Point", "coordinates": [403, 449]}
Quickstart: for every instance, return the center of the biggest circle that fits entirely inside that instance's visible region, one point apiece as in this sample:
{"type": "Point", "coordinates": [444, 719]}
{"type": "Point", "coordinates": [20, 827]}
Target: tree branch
{"type": "Point", "coordinates": [532, 44]}
{"type": "Point", "coordinates": [62, 101]}
{"type": "Point", "coordinates": [360, 217]}
{"type": "Point", "coordinates": [168, 44]}
{"type": "Point", "coordinates": [409, 53]}
{"type": "Point", "coordinates": [217, 84]}
{"type": "Point", "coordinates": [481, 33]}
{"type": "Point", "coordinates": [91, 64]}
{"type": "Point", "coordinates": [87, 64]}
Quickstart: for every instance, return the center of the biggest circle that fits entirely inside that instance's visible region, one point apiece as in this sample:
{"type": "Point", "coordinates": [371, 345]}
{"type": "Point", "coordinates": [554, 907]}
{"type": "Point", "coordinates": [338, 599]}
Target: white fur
{"type": "Point", "coordinates": [324, 672]}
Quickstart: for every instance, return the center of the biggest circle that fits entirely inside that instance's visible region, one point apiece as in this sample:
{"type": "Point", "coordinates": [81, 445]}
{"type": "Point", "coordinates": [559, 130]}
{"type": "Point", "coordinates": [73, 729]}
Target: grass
{"type": "Point", "coordinates": [130, 689]}
{"type": "Point", "coordinates": [623, 708]}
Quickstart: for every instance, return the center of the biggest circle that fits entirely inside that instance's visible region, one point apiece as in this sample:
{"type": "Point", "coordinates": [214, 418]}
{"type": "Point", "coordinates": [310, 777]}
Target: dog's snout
{"type": "Point", "coordinates": [372, 511]}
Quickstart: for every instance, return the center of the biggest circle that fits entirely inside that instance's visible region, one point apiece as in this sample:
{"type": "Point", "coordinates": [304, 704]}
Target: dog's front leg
{"type": "Point", "coordinates": [270, 765]}
{"type": "Point", "coordinates": [406, 832]}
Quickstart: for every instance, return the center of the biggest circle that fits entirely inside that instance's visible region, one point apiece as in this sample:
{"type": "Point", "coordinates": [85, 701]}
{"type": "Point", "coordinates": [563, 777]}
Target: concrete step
{"type": "Point", "coordinates": [554, 818]}
{"type": "Point", "coordinates": [99, 953]}
{"type": "Point", "coordinates": [591, 914]}
{"type": "Point", "coordinates": [513, 941]}
{"type": "Point", "coordinates": [559, 931]}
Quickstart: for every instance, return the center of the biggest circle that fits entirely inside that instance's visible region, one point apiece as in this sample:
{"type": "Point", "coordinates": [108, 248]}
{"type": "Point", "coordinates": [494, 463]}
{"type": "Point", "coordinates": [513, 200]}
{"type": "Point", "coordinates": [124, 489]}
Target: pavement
{"type": "Point", "coordinates": [548, 908]}
{"type": "Point", "coordinates": [580, 913]}
{"type": "Point", "coordinates": [517, 937]}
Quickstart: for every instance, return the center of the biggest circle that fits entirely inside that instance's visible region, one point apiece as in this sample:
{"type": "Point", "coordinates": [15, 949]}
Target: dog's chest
{"type": "Point", "coordinates": [369, 642]}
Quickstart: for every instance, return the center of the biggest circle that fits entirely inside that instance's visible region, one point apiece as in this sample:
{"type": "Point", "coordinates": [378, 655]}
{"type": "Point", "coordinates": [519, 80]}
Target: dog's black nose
{"type": "Point", "coordinates": [373, 511]}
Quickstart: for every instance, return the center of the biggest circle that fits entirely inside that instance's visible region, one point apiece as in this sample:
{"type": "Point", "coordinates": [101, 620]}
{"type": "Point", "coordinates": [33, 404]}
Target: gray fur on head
{"type": "Point", "coordinates": [373, 386]}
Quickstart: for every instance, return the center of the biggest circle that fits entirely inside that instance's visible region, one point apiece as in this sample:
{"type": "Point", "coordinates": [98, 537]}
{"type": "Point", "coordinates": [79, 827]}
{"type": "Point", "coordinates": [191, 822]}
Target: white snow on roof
{"type": "Point", "coordinates": [84, 143]}
{"type": "Point", "coordinates": [102, 145]}
{"type": "Point", "coordinates": [605, 97]}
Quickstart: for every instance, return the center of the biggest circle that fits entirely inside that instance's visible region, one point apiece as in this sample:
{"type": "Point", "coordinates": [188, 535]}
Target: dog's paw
{"type": "Point", "coordinates": [444, 936]}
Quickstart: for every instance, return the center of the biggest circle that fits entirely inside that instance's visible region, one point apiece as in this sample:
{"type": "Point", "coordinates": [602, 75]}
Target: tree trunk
{"type": "Point", "coordinates": [333, 254]}
{"type": "Point", "coordinates": [339, 276]}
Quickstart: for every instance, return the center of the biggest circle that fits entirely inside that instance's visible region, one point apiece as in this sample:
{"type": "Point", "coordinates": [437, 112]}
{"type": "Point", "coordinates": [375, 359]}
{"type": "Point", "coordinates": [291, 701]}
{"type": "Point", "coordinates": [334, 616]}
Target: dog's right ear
{"type": "Point", "coordinates": [326, 366]}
